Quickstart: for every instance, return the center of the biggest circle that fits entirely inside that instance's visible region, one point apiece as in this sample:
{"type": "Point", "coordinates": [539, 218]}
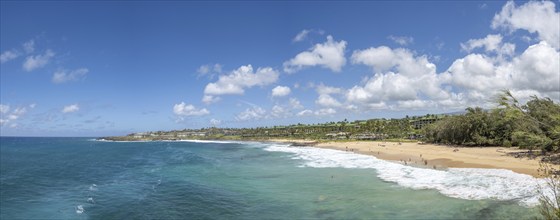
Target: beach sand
{"type": "Point", "coordinates": [436, 156]}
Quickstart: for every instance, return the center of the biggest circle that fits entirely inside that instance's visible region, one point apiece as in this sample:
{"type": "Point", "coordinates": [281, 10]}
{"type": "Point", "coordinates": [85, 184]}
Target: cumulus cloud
{"type": "Point", "coordinates": [280, 112]}
{"type": "Point", "coordinates": [477, 72]}
{"type": "Point", "coordinates": [538, 68]}
{"type": "Point", "coordinates": [538, 17]}
{"type": "Point", "coordinates": [209, 70]}
{"type": "Point", "coordinates": [401, 40]}
{"type": "Point", "coordinates": [327, 95]}
{"type": "Point", "coordinates": [326, 100]}
{"type": "Point", "coordinates": [62, 76]}
{"type": "Point", "coordinates": [34, 62]}
{"type": "Point", "coordinates": [329, 54]}
{"type": "Point", "coordinates": [208, 99]}
{"type": "Point", "coordinates": [9, 118]}
{"type": "Point", "coordinates": [8, 55]}
{"type": "Point", "coordinates": [215, 122]}
{"type": "Point", "coordinates": [295, 103]}
{"type": "Point", "coordinates": [477, 78]}
{"type": "Point", "coordinates": [491, 43]}
{"type": "Point", "coordinates": [399, 76]}
{"type": "Point", "coordinates": [71, 108]}
{"type": "Point", "coordinates": [381, 87]}
{"type": "Point", "coordinates": [252, 113]}
{"type": "Point", "coordinates": [237, 81]}
{"type": "Point", "coordinates": [325, 112]}
{"type": "Point", "coordinates": [183, 109]}
{"type": "Point", "coordinates": [280, 91]}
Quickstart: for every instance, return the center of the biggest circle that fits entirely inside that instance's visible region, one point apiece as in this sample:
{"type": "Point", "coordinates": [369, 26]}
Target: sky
{"type": "Point", "coordinates": [99, 68]}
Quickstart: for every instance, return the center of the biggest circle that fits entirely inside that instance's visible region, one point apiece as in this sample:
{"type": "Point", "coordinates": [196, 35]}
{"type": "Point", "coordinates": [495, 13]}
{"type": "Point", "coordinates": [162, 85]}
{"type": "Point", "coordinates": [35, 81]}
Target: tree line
{"type": "Point", "coordinates": [534, 125]}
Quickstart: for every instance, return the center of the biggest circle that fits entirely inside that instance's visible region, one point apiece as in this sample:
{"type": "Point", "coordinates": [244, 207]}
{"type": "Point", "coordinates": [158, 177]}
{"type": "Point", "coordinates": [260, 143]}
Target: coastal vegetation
{"type": "Point", "coordinates": [549, 205]}
{"type": "Point", "coordinates": [534, 125]}
{"type": "Point", "coordinates": [403, 129]}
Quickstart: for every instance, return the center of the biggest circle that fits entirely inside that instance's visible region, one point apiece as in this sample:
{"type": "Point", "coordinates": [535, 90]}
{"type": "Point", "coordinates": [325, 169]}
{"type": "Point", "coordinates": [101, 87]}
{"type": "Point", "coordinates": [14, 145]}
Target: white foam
{"type": "Point", "coordinates": [79, 209]}
{"type": "Point", "coordinates": [464, 183]}
{"type": "Point", "coordinates": [93, 187]}
{"type": "Point", "coordinates": [207, 141]}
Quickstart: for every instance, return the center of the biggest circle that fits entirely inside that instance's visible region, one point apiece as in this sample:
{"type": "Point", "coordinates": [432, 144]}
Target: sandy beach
{"type": "Point", "coordinates": [436, 156]}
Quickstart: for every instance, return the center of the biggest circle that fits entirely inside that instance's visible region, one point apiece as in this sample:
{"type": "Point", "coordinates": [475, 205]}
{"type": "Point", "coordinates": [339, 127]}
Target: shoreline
{"type": "Point", "coordinates": [434, 156]}
{"type": "Point", "coordinates": [430, 156]}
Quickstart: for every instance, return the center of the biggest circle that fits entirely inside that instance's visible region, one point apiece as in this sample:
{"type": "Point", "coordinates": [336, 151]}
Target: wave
{"type": "Point", "coordinates": [206, 141]}
{"type": "Point", "coordinates": [463, 183]}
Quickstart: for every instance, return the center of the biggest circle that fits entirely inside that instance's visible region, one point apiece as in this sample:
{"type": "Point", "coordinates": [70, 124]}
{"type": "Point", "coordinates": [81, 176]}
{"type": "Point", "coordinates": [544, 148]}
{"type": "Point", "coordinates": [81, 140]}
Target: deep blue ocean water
{"type": "Point", "coordinates": [80, 178]}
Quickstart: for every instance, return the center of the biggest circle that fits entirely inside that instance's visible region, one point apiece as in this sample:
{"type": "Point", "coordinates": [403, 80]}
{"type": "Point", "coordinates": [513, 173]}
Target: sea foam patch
{"type": "Point", "coordinates": [463, 183]}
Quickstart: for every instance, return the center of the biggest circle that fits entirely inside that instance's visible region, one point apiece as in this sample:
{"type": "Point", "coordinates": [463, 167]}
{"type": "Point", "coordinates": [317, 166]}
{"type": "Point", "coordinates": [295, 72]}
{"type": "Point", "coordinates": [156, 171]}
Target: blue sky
{"type": "Point", "coordinates": [112, 68]}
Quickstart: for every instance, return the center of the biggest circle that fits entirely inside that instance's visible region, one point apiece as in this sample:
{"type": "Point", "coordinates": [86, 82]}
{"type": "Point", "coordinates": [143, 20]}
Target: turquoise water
{"type": "Point", "coordinates": [78, 178]}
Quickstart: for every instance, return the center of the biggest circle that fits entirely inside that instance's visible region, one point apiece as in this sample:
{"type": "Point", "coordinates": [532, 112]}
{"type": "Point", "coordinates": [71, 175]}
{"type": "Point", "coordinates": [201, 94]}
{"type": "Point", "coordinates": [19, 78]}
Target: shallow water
{"type": "Point", "coordinates": [77, 178]}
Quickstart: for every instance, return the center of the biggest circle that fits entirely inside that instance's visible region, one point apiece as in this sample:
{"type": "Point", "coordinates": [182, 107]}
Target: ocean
{"type": "Point", "coordinates": [81, 178]}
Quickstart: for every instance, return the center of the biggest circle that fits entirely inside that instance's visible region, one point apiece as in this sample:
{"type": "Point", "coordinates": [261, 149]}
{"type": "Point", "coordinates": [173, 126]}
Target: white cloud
{"type": "Point", "coordinates": [208, 99]}
{"type": "Point", "coordinates": [183, 109]}
{"type": "Point", "coordinates": [381, 58]}
{"type": "Point", "coordinates": [329, 54]}
{"type": "Point", "coordinates": [477, 72]}
{"type": "Point", "coordinates": [71, 108]}
{"type": "Point", "coordinates": [402, 60]}
{"type": "Point", "coordinates": [414, 104]}
{"type": "Point", "coordinates": [209, 70]}
{"type": "Point", "coordinates": [215, 122]}
{"type": "Point", "coordinates": [477, 78]}
{"type": "Point", "coordinates": [253, 113]}
{"type": "Point", "coordinates": [401, 40]}
{"type": "Point", "coordinates": [325, 111]}
{"type": "Point", "coordinates": [237, 81]}
{"type": "Point", "coordinates": [33, 62]}
{"type": "Point", "coordinates": [390, 86]}
{"type": "Point", "coordinates": [62, 76]}
{"type": "Point", "coordinates": [399, 76]}
{"type": "Point", "coordinates": [8, 118]}
{"type": "Point", "coordinates": [281, 91]}
{"type": "Point", "coordinates": [295, 104]}
{"type": "Point", "coordinates": [301, 35]}
{"type": "Point", "coordinates": [538, 17]}
{"type": "Point", "coordinates": [29, 46]}
{"type": "Point", "coordinates": [4, 109]}
{"type": "Point", "coordinates": [326, 93]}
{"type": "Point", "coordinates": [320, 112]}
{"type": "Point", "coordinates": [8, 55]}
{"type": "Point", "coordinates": [327, 101]}
{"type": "Point", "coordinates": [538, 68]}
{"type": "Point", "coordinates": [323, 89]}
{"type": "Point", "coordinates": [491, 43]}
{"type": "Point", "coordinates": [204, 69]}
{"type": "Point", "coordinates": [305, 112]}
{"type": "Point", "coordinates": [280, 112]}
